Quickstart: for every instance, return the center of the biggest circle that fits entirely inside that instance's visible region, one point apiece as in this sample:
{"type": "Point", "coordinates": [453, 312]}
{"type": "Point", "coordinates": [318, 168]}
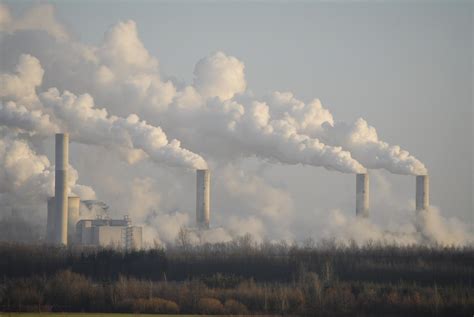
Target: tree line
{"type": "Point", "coordinates": [241, 277]}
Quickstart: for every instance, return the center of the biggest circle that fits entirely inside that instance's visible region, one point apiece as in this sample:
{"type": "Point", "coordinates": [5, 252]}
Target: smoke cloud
{"type": "Point", "coordinates": [40, 17]}
{"type": "Point", "coordinates": [22, 84]}
{"type": "Point", "coordinates": [426, 227]}
{"type": "Point", "coordinates": [89, 124]}
{"type": "Point", "coordinates": [359, 138]}
{"type": "Point", "coordinates": [219, 75]}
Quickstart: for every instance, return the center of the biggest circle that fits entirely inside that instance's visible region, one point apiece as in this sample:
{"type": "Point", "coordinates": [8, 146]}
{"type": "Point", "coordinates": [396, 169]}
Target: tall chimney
{"type": "Point", "coordinates": [422, 192]}
{"type": "Point", "coordinates": [203, 198]}
{"type": "Point", "coordinates": [362, 195]}
{"type": "Point", "coordinates": [60, 190]}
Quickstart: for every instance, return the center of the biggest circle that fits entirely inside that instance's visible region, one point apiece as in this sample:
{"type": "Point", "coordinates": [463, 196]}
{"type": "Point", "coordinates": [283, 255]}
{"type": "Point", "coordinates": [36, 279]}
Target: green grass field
{"type": "Point", "coordinates": [82, 314]}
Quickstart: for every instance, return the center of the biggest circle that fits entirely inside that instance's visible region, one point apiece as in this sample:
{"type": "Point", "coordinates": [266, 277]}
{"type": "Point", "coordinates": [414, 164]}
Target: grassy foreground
{"type": "Point", "coordinates": [83, 315]}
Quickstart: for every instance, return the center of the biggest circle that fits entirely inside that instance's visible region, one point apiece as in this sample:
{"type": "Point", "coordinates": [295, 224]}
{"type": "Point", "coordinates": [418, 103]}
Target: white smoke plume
{"type": "Point", "coordinates": [216, 107]}
{"type": "Point", "coordinates": [21, 85]}
{"type": "Point", "coordinates": [20, 118]}
{"type": "Point", "coordinates": [123, 73]}
{"type": "Point", "coordinates": [425, 227]}
{"type": "Point", "coordinates": [89, 124]}
{"type": "Point", "coordinates": [219, 76]}
{"type": "Point", "coordinates": [359, 138]}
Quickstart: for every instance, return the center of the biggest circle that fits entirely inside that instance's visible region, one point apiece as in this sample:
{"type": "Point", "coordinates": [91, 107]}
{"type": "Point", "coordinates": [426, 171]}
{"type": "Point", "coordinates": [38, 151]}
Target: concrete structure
{"type": "Point", "coordinates": [109, 233]}
{"type": "Point", "coordinates": [73, 204]}
{"type": "Point", "coordinates": [362, 195]}
{"type": "Point", "coordinates": [203, 198]}
{"type": "Point", "coordinates": [422, 192]}
{"type": "Point", "coordinates": [60, 191]}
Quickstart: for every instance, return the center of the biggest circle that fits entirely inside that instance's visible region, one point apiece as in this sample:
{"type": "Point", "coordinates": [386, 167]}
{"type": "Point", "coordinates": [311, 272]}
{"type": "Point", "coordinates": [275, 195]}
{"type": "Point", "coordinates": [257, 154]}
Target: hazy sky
{"type": "Point", "coordinates": [404, 66]}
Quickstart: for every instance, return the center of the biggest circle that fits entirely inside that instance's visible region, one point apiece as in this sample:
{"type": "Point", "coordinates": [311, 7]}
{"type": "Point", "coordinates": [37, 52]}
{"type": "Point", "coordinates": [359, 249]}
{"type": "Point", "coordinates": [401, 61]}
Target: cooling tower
{"type": "Point", "coordinates": [422, 192]}
{"type": "Point", "coordinates": [202, 198]}
{"type": "Point", "coordinates": [362, 195]}
{"type": "Point", "coordinates": [73, 204]}
{"type": "Point", "coordinates": [60, 190]}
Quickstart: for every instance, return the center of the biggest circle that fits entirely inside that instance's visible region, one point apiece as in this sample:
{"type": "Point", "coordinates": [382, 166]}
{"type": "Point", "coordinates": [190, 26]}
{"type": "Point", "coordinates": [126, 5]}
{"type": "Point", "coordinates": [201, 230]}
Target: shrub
{"type": "Point", "coordinates": [70, 290]}
{"type": "Point", "coordinates": [233, 307]}
{"type": "Point", "coordinates": [24, 295]}
{"type": "Point", "coordinates": [210, 306]}
{"type": "Point", "coordinates": [155, 306]}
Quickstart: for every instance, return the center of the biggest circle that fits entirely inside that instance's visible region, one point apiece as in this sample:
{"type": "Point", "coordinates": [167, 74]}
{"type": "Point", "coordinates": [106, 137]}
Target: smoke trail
{"type": "Point", "coordinates": [88, 124]}
{"type": "Point", "coordinates": [91, 125]}
{"type": "Point", "coordinates": [359, 138]}
{"type": "Point", "coordinates": [120, 72]}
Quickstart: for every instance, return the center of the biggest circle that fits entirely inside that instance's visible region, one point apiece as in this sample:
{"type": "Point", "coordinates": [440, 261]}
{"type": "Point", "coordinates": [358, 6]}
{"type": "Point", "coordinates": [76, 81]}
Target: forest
{"type": "Point", "coordinates": [241, 277]}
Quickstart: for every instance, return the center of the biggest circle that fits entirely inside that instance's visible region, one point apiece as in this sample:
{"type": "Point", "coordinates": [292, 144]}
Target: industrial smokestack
{"type": "Point", "coordinates": [422, 192]}
{"type": "Point", "coordinates": [60, 190]}
{"type": "Point", "coordinates": [362, 195]}
{"type": "Point", "coordinates": [202, 198]}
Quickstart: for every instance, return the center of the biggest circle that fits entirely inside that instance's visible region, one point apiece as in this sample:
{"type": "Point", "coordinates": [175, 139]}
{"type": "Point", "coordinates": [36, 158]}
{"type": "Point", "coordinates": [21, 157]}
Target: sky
{"type": "Point", "coordinates": [406, 67]}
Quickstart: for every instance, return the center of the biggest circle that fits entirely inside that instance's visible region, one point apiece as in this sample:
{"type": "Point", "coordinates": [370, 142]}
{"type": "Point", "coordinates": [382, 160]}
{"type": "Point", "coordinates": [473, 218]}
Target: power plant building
{"type": "Point", "coordinates": [63, 224]}
{"type": "Point", "coordinates": [109, 233]}
{"type": "Point", "coordinates": [73, 204]}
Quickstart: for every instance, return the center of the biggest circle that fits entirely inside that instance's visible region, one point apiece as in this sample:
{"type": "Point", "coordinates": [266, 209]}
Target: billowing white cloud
{"type": "Point", "coordinates": [362, 141]}
{"type": "Point", "coordinates": [123, 52]}
{"type": "Point", "coordinates": [358, 138]}
{"type": "Point", "coordinates": [39, 17]}
{"type": "Point", "coordinates": [20, 118]}
{"type": "Point", "coordinates": [424, 227]}
{"type": "Point", "coordinates": [219, 75]}
{"type": "Point", "coordinates": [91, 125]}
{"type": "Point", "coordinates": [21, 85]}
{"type": "Point", "coordinates": [79, 116]}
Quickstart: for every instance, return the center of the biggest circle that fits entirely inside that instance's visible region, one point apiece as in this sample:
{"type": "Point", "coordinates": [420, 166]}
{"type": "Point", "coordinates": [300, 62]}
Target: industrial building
{"type": "Point", "coordinates": [73, 205]}
{"type": "Point", "coordinates": [109, 233]}
{"type": "Point", "coordinates": [63, 219]}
